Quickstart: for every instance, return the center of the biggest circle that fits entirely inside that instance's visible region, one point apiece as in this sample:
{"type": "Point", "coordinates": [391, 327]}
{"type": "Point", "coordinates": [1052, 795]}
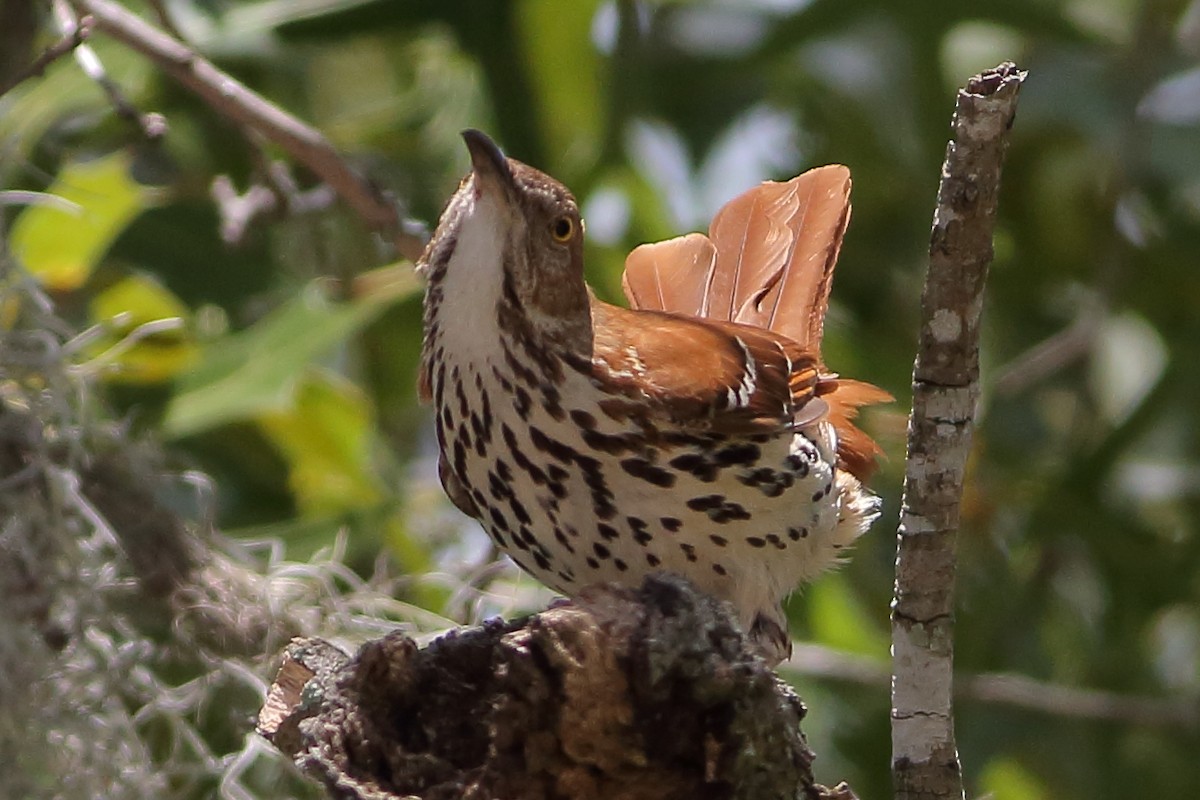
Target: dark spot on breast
{"type": "Point", "coordinates": [638, 526]}
{"type": "Point", "coordinates": [503, 470]}
{"type": "Point", "coordinates": [552, 403]}
{"type": "Point", "coordinates": [717, 568]}
{"type": "Point", "coordinates": [593, 563]}
{"type": "Point", "coordinates": [620, 565]}
{"type": "Point", "coordinates": [502, 379]}
{"type": "Point", "coordinates": [583, 419]}
{"type": "Point", "coordinates": [497, 518]}
{"type": "Point", "coordinates": [600, 550]}
{"type": "Point", "coordinates": [728, 512]}
{"type": "Point", "coordinates": [498, 488]}
{"type": "Point", "coordinates": [607, 532]}
{"type": "Point", "coordinates": [653, 560]}
{"type": "Point", "coordinates": [519, 510]}
{"type": "Point", "coordinates": [523, 462]}
{"type": "Point", "coordinates": [613, 445]}
{"type": "Point", "coordinates": [755, 541]}
{"type": "Point", "coordinates": [556, 449]}
{"type": "Point", "coordinates": [774, 539]}
{"type": "Point", "coordinates": [743, 454]}
{"type": "Point", "coordinates": [522, 402]}
{"type": "Point", "coordinates": [464, 410]}
{"type": "Point", "coordinates": [542, 561]}
{"type": "Point", "coordinates": [603, 508]}
{"type": "Point", "coordinates": [796, 534]}
{"type": "Point", "coordinates": [689, 551]}
{"type": "Point", "coordinates": [705, 502]}
{"type": "Point", "coordinates": [671, 523]}
{"type": "Point", "coordinates": [460, 458]}
{"type": "Point", "coordinates": [486, 417]}
{"type": "Point", "coordinates": [719, 541]}
{"type": "Point", "coordinates": [561, 538]}
{"type": "Point", "coordinates": [640, 468]}
{"type": "Point", "coordinates": [718, 509]}
{"type": "Point", "coordinates": [696, 464]}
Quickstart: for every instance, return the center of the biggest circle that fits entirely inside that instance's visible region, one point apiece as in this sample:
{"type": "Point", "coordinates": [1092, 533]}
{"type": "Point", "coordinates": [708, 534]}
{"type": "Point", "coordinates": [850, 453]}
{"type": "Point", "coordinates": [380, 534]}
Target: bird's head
{"type": "Point", "coordinates": [517, 230]}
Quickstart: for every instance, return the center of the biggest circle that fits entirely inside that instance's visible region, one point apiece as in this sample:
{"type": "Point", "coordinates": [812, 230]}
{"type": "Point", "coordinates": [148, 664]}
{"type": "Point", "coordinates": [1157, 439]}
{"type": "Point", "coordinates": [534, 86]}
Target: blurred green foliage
{"type": "Point", "coordinates": [1080, 552]}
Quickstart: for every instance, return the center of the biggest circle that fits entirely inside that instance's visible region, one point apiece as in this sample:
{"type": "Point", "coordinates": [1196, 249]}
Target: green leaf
{"type": "Point", "coordinates": [566, 73]}
{"type": "Point", "coordinates": [839, 620]}
{"type": "Point", "coordinates": [1006, 779]}
{"type": "Point", "coordinates": [325, 437]}
{"type": "Point", "coordinates": [257, 370]}
{"type": "Point", "coordinates": [61, 247]}
{"type": "Point", "coordinates": [146, 339]}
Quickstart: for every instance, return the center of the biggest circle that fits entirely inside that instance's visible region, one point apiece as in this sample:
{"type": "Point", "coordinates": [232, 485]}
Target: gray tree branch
{"type": "Point", "coordinates": [1008, 689]}
{"type": "Point", "coordinates": [232, 99]}
{"type": "Point", "coordinates": [945, 391]}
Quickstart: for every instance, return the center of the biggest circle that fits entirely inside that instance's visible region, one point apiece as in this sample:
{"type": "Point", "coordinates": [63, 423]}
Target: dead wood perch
{"type": "Point", "coordinates": [617, 694]}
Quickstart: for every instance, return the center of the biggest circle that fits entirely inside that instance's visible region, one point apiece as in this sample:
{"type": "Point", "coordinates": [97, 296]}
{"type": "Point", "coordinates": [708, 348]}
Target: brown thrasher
{"type": "Point", "coordinates": [698, 433]}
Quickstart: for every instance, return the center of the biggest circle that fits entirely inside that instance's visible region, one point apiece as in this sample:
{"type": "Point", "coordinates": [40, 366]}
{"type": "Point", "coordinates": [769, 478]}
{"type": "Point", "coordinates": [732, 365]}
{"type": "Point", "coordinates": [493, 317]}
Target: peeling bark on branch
{"type": "Point", "coordinates": [617, 694]}
{"type": "Point", "coordinates": [945, 391]}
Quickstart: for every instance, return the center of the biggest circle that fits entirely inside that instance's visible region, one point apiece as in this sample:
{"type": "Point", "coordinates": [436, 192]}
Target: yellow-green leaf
{"type": "Point", "coordinates": [256, 370]}
{"type": "Point", "coordinates": [565, 70]}
{"type": "Point", "coordinates": [146, 337]}
{"type": "Point", "coordinates": [1007, 779]}
{"type": "Point", "coordinates": [326, 439]}
{"type": "Point", "coordinates": [839, 620]}
{"type": "Point", "coordinates": [61, 247]}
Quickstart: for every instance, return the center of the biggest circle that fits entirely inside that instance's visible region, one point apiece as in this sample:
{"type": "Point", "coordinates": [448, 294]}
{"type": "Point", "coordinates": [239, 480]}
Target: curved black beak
{"type": "Point", "coordinates": [488, 163]}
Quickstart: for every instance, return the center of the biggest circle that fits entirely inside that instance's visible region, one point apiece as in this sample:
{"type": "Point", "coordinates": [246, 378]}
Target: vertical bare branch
{"type": "Point", "coordinates": [945, 390]}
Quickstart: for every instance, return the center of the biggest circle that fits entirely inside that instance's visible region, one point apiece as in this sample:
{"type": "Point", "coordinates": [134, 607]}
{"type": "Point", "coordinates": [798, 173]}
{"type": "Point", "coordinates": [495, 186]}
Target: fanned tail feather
{"type": "Point", "coordinates": [673, 275]}
{"type": "Point", "coordinates": [767, 261]}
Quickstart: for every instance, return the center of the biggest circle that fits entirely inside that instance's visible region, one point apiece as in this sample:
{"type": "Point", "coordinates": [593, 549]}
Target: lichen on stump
{"type": "Point", "coordinates": [616, 694]}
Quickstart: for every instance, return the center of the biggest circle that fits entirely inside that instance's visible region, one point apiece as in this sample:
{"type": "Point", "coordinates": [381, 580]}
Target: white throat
{"type": "Point", "coordinates": [474, 280]}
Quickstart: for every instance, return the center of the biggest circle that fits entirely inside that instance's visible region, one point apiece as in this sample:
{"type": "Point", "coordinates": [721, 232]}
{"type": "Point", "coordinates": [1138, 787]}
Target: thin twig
{"type": "Point", "coordinates": [234, 100]}
{"type": "Point", "coordinates": [69, 41]}
{"type": "Point", "coordinates": [239, 210]}
{"type": "Point", "coordinates": [1053, 354]}
{"type": "Point", "coordinates": [165, 20]}
{"type": "Point", "coordinates": [945, 390]}
{"type": "Point", "coordinates": [153, 126]}
{"type": "Point", "coordinates": [1008, 689]}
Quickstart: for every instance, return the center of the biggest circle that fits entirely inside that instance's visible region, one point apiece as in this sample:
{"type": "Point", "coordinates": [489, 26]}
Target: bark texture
{"type": "Point", "coordinates": [945, 391]}
{"type": "Point", "coordinates": [617, 694]}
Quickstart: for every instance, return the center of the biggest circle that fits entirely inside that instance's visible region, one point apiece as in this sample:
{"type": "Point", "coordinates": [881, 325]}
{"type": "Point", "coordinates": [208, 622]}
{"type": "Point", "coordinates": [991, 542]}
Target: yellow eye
{"type": "Point", "coordinates": [563, 229]}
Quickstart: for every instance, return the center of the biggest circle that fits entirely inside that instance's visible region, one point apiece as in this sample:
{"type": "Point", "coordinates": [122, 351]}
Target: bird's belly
{"type": "Point", "coordinates": [577, 498]}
